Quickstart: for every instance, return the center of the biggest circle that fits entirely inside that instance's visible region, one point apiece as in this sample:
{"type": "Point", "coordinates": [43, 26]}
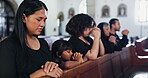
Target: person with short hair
{"type": "Point", "coordinates": [115, 26]}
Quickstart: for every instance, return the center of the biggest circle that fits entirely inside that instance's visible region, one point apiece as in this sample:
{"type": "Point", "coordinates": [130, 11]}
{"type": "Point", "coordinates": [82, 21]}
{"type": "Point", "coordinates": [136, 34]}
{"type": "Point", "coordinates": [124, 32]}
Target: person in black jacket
{"type": "Point", "coordinates": [115, 26]}
{"type": "Point", "coordinates": [108, 41]}
{"type": "Point", "coordinates": [23, 55]}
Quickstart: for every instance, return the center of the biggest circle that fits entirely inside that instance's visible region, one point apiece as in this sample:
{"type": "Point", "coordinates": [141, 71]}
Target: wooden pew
{"type": "Point", "coordinates": [121, 64]}
{"type": "Point", "coordinates": [89, 69]}
{"type": "Point", "coordinates": [142, 47]}
{"type": "Point", "coordinates": [112, 65]}
{"type": "Point", "coordinates": [135, 60]}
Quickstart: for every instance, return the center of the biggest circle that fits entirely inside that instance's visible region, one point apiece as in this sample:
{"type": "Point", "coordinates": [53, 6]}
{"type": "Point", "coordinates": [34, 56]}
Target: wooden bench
{"type": "Point", "coordinates": [112, 65]}
{"type": "Point", "coordinates": [142, 47]}
{"type": "Point", "coordinates": [121, 64]}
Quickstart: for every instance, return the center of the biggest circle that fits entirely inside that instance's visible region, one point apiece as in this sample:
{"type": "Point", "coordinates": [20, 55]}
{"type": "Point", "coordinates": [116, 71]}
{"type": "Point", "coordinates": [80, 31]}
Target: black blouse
{"type": "Point", "coordinates": [80, 46]}
{"type": "Point", "coordinates": [14, 63]}
{"type": "Point", "coordinates": [109, 46]}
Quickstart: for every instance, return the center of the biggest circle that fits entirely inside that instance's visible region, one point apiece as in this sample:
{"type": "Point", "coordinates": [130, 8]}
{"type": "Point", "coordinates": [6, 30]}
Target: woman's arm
{"type": "Point", "coordinates": [7, 60]}
{"type": "Point", "coordinates": [93, 52]}
{"type": "Point", "coordinates": [56, 72]}
{"type": "Point", "coordinates": [102, 50]}
{"type": "Point", "coordinates": [69, 64]}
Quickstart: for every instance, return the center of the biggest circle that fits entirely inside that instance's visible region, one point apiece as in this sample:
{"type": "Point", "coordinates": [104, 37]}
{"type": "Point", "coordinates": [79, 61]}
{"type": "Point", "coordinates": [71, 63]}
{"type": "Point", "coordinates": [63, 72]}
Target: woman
{"type": "Point", "coordinates": [23, 55]}
{"type": "Point", "coordinates": [80, 27]}
{"type": "Point", "coordinates": [108, 41]}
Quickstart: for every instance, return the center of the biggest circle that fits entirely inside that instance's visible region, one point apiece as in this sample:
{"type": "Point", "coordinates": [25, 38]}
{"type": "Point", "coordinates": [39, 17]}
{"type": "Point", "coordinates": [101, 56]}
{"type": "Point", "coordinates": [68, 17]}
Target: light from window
{"type": "Point", "coordinates": [143, 10]}
{"type": "Point", "coordinates": [142, 75]}
{"type": "Point", "coordinates": [83, 7]}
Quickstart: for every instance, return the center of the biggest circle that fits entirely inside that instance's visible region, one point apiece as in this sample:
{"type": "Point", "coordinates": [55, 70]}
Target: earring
{"type": "Point", "coordinates": [59, 56]}
{"type": "Point", "coordinates": [24, 22]}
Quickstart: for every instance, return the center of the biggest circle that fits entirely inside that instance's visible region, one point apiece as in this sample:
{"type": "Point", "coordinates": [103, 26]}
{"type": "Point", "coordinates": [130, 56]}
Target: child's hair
{"type": "Point", "coordinates": [59, 46]}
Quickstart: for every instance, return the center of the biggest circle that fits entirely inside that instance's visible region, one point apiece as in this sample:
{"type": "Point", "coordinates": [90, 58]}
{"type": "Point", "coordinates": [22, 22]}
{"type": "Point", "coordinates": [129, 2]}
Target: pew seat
{"type": "Point", "coordinates": [142, 46]}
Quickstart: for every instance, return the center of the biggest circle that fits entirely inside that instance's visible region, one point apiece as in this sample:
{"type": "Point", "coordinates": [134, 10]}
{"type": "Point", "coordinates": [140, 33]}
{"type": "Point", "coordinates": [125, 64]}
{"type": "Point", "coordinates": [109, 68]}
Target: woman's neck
{"type": "Point", "coordinates": [84, 40]}
{"type": "Point", "coordinates": [32, 42]}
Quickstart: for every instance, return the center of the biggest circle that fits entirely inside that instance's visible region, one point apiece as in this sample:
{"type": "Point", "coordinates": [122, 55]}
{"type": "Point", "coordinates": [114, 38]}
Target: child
{"type": "Point", "coordinates": [63, 55]}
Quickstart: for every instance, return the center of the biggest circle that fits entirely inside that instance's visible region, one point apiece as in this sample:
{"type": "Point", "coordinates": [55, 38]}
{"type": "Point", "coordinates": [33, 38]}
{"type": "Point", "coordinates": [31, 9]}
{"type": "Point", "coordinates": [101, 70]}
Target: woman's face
{"type": "Point", "coordinates": [35, 22]}
{"type": "Point", "coordinates": [67, 55]}
{"type": "Point", "coordinates": [87, 32]}
{"type": "Point", "coordinates": [106, 30]}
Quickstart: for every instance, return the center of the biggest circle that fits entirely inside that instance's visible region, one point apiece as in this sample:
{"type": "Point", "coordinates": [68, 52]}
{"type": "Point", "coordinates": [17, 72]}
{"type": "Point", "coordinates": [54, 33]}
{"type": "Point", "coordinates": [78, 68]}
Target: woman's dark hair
{"type": "Point", "coordinates": [113, 21]}
{"type": "Point", "coordinates": [78, 23]}
{"type": "Point", "coordinates": [27, 7]}
{"type": "Point", "coordinates": [101, 26]}
{"type": "Point", "coordinates": [59, 46]}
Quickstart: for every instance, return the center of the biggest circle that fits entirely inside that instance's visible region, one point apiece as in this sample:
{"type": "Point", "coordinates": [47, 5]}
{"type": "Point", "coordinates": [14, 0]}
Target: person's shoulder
{"type": "Point", "coordinates": [9, 44]}
{"type": "Point", "coordinates": [9, 41]}
{"type": "Point", "coordinates": [73, 39]}
{"type": "Point", "coordinates": [42, 40]}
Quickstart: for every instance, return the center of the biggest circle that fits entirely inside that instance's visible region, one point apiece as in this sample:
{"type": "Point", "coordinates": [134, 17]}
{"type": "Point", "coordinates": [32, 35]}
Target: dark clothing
{"type": "Point", "coordinates": [80, 46]}
{"type": "Point", "coordinates": [109, 46]}
{"type": "Point", "coordinates": [120, 43]}
{"type": "Point", "coordinates": [16, 63]}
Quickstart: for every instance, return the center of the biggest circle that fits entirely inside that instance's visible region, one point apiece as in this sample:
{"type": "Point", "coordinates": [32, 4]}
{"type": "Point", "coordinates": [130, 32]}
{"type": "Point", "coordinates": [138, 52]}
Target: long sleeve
{"type": "Point", "coordinates": [7, 61]}
{"type": "Point", "coordinates": [109, 46]}
{"type": "Point", "coordinates": [11, 62]}
{"type": "Point", "coordinates": [120, 43]}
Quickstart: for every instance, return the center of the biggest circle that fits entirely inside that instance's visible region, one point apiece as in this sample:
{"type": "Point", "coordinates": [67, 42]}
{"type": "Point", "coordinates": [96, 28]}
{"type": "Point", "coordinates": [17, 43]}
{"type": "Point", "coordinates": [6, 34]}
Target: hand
{"type": "Point", "coordinates": [125, 32]}
{"type": "Point", "coordinates": [96, 33]}
{"type": "Point", "coordinates": [56, 72]}
{"type": "Point", "coordinates": [112, 39]}
{"type": "Point", "coordinates": [49, 66]}
{"type": "Point", "coordinates": [78, 57]}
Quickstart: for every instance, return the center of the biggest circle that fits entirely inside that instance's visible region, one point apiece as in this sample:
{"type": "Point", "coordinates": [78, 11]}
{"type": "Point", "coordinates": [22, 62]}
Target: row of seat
{"type": "Point", "coordinates": [120, 64]}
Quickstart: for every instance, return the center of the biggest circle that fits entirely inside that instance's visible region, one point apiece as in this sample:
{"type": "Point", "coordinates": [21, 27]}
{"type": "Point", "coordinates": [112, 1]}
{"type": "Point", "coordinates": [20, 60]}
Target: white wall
{"type": "Point", "coordinates": [127, 22]}
{"type": "Point", "coordinates": [55, 7]}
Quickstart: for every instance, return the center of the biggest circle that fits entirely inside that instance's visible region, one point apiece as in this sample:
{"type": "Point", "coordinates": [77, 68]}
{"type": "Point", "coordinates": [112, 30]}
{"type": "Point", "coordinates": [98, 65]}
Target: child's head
{"type": "Point", "coordinates": [62, 49]}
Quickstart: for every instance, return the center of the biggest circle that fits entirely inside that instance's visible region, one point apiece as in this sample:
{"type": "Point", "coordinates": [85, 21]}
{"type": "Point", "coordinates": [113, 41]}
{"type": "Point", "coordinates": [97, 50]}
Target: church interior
{"type": "Point", "coordinates": [133, 15]}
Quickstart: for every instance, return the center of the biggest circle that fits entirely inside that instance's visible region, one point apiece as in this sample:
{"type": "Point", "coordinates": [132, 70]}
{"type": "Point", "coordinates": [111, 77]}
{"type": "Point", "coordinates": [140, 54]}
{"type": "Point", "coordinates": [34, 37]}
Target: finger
{"type": "Point", "coordinates": [53, 65]}
{"type": "Point", "coordinates": [59, 72]}
{"type": "Point", "coordinates": [46, 66]}
{"type": "Point", "coordinates": [73, 57]}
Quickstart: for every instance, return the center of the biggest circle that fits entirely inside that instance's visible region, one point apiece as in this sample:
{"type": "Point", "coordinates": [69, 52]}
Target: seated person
{"type": "Point", "coordinates": [108, 41]}
{"type": "Point", "coordinates": [22, 54]}
{"type": "Point", "coordinates": [80, 27]}
{"type": "Point", "coordinates": [62, 54]}
{"type": "Point", "coordinates": [115, 26]}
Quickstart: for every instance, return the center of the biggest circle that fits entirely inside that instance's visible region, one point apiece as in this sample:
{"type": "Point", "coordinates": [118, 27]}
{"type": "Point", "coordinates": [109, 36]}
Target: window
{"type": "Point", "coordinates": [83, 7]}
{"type": "Point", "coordinates": [143, 11]}
{"type": "Point", "coordinates": [122, 10]}
{"type": "Point", "coordinates": [105, 11]}
{"type": "Point", "coordinates": [71, 13]}
{"type": "Point", "coordinates": [6, 19]}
